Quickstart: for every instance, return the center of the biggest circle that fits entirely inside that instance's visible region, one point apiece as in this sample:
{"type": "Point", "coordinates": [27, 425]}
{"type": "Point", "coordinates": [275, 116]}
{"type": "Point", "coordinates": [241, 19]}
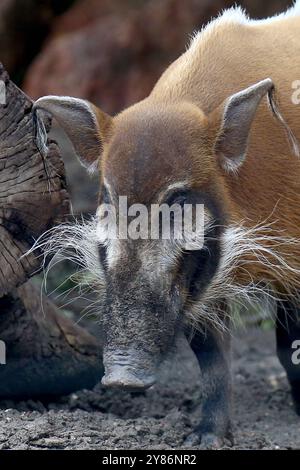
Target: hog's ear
{"type": "Point", "coordinates": [86, 126]}
{"type": "Point", "coordinates": [237, 114]}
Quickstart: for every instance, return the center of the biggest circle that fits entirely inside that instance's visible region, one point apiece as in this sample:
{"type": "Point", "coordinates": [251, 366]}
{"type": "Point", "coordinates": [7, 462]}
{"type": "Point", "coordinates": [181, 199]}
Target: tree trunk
{"type": "Point", "coordinates": [31, 198]}
{"type": "Point", "coordinates": [45, 355]}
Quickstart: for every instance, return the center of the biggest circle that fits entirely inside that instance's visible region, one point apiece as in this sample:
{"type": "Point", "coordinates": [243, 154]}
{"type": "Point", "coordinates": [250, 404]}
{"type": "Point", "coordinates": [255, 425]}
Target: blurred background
{"type": "Point", "coordinates": [108, 51]}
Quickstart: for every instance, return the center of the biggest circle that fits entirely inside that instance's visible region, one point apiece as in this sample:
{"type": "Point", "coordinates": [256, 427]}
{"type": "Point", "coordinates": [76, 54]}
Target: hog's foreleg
{"type": "Point", "coordinates": [212, 350]}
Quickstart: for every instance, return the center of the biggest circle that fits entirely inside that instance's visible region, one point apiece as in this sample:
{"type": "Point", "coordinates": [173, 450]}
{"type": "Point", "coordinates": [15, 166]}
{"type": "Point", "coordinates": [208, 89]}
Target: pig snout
{"type": "Point", "coordinates": [128, 371]}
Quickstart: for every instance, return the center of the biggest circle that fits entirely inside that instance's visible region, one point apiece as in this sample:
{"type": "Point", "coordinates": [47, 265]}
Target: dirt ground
{"type": "Point", "coordinates": [160, 419]}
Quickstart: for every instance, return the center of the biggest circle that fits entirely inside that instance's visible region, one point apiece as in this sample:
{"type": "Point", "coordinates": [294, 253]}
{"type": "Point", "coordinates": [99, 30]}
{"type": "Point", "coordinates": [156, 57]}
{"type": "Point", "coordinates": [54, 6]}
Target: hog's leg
{"type": "Point", "coordinates": [212, 350]}
{"type": "Point", "coordinates": [287, 333]}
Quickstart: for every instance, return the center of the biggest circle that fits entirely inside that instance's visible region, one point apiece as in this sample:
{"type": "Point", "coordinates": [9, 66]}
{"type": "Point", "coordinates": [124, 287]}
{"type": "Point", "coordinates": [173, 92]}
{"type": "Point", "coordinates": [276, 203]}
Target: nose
{"type": "Point", "coordinates": [121, 377]}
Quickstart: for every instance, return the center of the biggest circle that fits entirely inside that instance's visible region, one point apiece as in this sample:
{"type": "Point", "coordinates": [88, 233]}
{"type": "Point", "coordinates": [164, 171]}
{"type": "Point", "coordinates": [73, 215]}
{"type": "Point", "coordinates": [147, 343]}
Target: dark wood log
{"type": "Point", "coordinates": [46, 353]}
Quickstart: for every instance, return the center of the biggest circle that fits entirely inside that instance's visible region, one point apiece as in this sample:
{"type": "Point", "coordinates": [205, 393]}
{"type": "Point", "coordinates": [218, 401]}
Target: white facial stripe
{"type": "Point", "coordinates": [114, 253]}
{"type": "Point", "coordinates": [108, 186]}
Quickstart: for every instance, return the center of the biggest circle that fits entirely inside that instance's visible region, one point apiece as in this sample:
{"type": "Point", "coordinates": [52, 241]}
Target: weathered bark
{"type": "Point", "coordinates": [46, 353]}
{"type": "Point", "coordinates": [31, 199]}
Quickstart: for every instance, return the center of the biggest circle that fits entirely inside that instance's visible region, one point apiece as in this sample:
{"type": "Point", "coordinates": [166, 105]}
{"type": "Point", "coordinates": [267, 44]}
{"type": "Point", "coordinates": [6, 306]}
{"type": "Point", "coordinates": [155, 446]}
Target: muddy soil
{"type": "Point", "coordinates": [160, 419]}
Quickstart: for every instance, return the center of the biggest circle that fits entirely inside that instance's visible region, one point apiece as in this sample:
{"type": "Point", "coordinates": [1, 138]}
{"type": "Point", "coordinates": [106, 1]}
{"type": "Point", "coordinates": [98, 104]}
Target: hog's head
{"type": "Point", "coordinates": [155, 153]}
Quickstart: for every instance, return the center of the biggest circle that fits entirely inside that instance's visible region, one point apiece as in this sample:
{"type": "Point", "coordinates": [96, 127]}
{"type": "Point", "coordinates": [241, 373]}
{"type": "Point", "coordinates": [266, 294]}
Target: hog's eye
{"type": "Point", "coordinates": [180, 198]}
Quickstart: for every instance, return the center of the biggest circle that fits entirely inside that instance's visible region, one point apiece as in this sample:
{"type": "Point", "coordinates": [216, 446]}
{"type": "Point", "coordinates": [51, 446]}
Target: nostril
{"type": "Point", "coordinates": [120, 377]}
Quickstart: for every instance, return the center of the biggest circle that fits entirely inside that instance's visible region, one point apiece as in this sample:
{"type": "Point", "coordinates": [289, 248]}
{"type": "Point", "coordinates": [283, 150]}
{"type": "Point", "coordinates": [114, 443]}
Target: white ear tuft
{"type": "Point", "coordinates": [81, 121]}
{"type": "Point", "coordinates": [238, 114]}
{"type": "Point", "coordinates": [41, 135]}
